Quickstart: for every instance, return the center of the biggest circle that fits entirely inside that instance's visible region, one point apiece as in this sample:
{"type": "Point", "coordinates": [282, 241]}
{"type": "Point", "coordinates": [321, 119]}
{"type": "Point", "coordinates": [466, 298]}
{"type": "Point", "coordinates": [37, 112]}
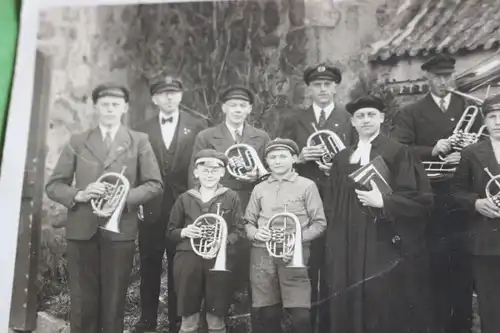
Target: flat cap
{"type": "Point", "coordinates": [491, 104]}
{"type": "Point", "coordinates": [211, 158]}
{"type": "Point", "coordinates": [110, 89]}
{"type": "Point", "coordinates": [166, 83]}
{"type": "Point", "coordinates": [280, 143]}
{"type": "Point", "coordinates": [368, 101]}
{"type": "Point", "coordinates": [439, 64]}
{"type": "Point", "coordinates": [237, 92]}
{"type": "Point", "coordinates": [322, 72]}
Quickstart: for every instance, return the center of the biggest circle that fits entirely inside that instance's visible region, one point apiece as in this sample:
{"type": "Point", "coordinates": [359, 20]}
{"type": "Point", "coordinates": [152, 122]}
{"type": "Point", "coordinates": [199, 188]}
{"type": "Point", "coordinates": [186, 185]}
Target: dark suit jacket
{"type": "Point", "coordinates": [175, 176]}
{"type": "Point", "coordinates": [468, 184]}
{"type": "Point", "coordinates": [83, 161]}
{"type": "Point", "coordinates": [220, 139]}
{"type": "Point", "coordinates": [422, 124]}
{"type": "Point", "coordinates": [298, 127]}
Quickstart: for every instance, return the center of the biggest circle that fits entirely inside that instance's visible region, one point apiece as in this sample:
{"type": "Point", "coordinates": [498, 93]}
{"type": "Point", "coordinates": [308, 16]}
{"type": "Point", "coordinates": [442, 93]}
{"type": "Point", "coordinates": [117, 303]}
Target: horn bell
{"type": "Point", "coordinates": [244, 159]}
{"type": "Point", "coordinates": [330, 140]}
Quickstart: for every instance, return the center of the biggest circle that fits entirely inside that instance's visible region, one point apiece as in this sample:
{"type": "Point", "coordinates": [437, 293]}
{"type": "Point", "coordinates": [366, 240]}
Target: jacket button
{"type": "Point", "coordinates": [395, 239]}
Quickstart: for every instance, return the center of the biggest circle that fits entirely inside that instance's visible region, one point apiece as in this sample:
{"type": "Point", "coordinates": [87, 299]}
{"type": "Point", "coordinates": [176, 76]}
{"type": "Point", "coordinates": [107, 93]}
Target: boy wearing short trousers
{"type": "Point", "coordinates": [193, 279]}
{"type": "Point", "coordinates": [274, 285]}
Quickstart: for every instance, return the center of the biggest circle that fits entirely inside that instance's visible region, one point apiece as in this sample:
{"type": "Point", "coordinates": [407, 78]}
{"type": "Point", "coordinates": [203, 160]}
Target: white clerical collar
{"type": "Point", "coordinates": [174, 115]}
{"type": "Point", "coordinates": [438, 99]}
{"type": "Point", "coordinates": [233, 129]}
{"type": "Point", "coordinates": [328, 110]}
{"type": "Point", "coordinates": [362, 153]}
{"type": "Point", "coordinates": [112, 131]}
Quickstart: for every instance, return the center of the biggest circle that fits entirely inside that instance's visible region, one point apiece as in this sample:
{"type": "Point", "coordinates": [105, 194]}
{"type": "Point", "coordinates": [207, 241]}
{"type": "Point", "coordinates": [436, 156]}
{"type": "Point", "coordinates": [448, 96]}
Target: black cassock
{"type": "Point", "coordinates": [375, 266]}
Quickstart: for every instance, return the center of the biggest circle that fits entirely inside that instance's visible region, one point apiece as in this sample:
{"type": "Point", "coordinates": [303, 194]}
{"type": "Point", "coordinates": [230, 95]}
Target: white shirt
{"type": "Point", "coordinates": [362, 153]}
{"type": "Point", "coordinates": [112, 130]}
{"type": "Point", "coordinates": [438, 100]}
{"type": "Point", "coordinates": [328, 110]}
{"type": "Point", "coordinates": [232, 130]}
{"type": "Point", "coordinates": [168, 128]}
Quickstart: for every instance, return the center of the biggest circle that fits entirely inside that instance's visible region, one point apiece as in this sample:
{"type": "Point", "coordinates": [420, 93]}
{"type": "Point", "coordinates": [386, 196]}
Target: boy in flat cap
{"type": "Point", "coordinates": [274, 285]}
{"type": "Point", "coordinates": [426, 126]}
{"type": "Point", "coordinates": [468, 189]}
{"type": "Point", "coordinates": [237, 102]}
{"type": "Point", "coordinates": [100, 261]}
{"type": "Point", "coordinates": [193, 279]}
{"type": "Point", "coordinates": [172, 133]}
{"type": "Point", "coordinates": [323, 114]}
{"type": "Point", "coordinates": [373, 240]}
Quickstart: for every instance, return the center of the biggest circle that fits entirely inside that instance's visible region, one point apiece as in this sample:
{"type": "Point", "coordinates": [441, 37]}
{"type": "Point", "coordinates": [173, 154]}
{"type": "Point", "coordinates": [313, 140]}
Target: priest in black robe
{"type": "Point", "coordinates": [483, 216]}
{"type": "Point", "coordinates": [375, 266]}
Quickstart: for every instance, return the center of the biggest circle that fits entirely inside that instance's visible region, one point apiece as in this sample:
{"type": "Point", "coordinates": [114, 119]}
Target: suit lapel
{"type": "Point", "coordinates": [249, 132]}
{"type": "Point", "coordinates": [156, 139]}
{"type": "Point", "coordinates": [307, 119]}
{"type": "Point", "coordinates": [183, 131]}
{"type": "Point", "coordinates": [95, 144]}
{"type": "Point", "coordinates": [225, 136]}
{"type": "Point", "coordinates": [334, 120]}
{"type": "Point", "coordinates": [120, 145]}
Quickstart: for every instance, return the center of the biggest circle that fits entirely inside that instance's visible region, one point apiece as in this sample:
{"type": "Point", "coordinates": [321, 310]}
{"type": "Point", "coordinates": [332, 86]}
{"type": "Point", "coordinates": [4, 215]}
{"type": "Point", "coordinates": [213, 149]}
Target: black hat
{"type": "Point", "coordinates": [322, 72]}
{"type": "Point", "coordinates": [237, 92]}
{"type": "Point", "coordinates": [166, 83]}
{"type": "Point", "coordinates": [491, 104]}
{"type": "Point", "coordinates": [282, 143]}
{"type": "Point", "coordinates": [110, 89]}
{"type": "Point", "coordinates": [210, 157]}
{"type": "Point", "coordinates": [365, 102]}
{"type": "Point", "coordinates": [439, 64]}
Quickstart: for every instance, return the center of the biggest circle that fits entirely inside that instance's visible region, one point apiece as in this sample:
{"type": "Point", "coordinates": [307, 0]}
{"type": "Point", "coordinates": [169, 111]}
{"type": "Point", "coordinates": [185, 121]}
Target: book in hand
{"type": "Point", "coordinates": [377, 171]}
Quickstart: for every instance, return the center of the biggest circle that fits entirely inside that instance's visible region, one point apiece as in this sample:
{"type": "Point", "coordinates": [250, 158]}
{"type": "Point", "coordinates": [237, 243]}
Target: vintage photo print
{"type": "Point", "coordinates": [253, 166]}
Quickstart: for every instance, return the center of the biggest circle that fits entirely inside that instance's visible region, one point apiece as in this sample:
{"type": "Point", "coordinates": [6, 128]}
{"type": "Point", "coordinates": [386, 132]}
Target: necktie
{"type": "Point", "coordinates": [167, 120]}
{"type": "Point", "coordinates": [107, 142]}
{"type": "Point", "coordinates": [322, 118]}
{"type": "Point", "coordinates": [237, 136]}
{"type": "Point", "coordinates": [442, 105]}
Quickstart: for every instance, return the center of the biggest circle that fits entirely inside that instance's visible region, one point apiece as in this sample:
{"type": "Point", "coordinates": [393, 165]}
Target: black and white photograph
{"type": "Point", "coordinates": [266, 166]}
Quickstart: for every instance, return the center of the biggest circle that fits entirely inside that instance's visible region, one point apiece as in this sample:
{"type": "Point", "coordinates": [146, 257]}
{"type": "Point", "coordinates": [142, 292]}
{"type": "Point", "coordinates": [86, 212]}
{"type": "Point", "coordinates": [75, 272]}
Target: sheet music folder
{"type": "Point", "coordinates": [377, 171]}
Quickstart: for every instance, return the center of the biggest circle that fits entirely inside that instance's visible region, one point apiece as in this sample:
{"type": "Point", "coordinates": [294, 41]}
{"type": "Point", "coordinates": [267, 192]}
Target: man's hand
{"type": "Point", "coordinates": [191, 231]}
{"type": "Point", "coordinates": [311, 153]}
{"type": "Point", "coordinates": [263, 234]}
{"type": "Point", "coordinates": [453, 158]}
{"type": "Point", "coordinates": [486, 208]}
{"type": "Point", "coordinates": [325, 169]}
{"type": "Point", "coordinates": [93, 190]}
{"type": "Point", "coordinates": [371, 198]}
{"type": "Point", "coordinates": [443, 146]}
{"type": "Point", "coordinates": [287, 257]}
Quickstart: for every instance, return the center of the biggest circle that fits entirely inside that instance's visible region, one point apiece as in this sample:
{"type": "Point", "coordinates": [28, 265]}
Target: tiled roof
{"type": "Point", "coordinates": [421, 27]}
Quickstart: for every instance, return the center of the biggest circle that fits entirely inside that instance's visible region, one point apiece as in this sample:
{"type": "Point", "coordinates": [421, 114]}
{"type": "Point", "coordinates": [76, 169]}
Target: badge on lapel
{"type": "Point", "coordinates": [187, 131]}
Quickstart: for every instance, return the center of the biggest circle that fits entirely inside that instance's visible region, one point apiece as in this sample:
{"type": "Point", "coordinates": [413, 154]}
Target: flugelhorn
{"type": "Point", "coordinates": [283, 242]}
{"type": "Point", "coordinates": [213, 241]}
{"type": "Point", "coordinates": [243, 160]}
{"type": "Point", "coordinates": [112, 202]}
{"type": "Point", "coordinates": [330, 140]}
{"type": "Point", "coordinates": [493, 197]}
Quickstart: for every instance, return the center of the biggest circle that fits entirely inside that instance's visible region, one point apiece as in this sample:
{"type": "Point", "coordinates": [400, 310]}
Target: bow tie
{"type": "Point", "coordinates": [167, 120]}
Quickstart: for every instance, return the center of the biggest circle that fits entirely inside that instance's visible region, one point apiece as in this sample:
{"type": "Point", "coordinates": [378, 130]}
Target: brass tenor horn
{"type": "Point", "coordinates": [282, 242]}
{"type": "Point", "coordinates": [213, 242]}
{"type": "Point", "coordinates": [113, 201]}
{"type": "Point", "coordinates": [330, 140]}
{"type": "Point", "coordinates": [494, 198]}
{"type": "Point", "coordinates": [243, 159]}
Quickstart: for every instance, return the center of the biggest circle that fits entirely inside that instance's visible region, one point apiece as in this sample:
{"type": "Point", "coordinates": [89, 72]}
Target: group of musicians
{"type": "Point", "coordinates": [406, 260]}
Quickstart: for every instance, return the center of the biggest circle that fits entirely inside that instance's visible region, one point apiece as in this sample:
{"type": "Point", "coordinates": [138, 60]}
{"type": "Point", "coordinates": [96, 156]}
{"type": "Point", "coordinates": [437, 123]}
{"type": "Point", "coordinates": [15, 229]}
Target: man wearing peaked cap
{"type": "Point", "coordinates": [324, 114]}
{"type": "Point", "coordinates": [98, 296]}
{"type": "Point", "coordinates": [426, 126]}
{"type": "Point", "coordinates": [237, 102]}
{"type": "Point", "coordinates": [468, 189]}
{"type": "Point", "coordinates": [172, 132]}
{"type": "Point", "coordinates": [373, 228]}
